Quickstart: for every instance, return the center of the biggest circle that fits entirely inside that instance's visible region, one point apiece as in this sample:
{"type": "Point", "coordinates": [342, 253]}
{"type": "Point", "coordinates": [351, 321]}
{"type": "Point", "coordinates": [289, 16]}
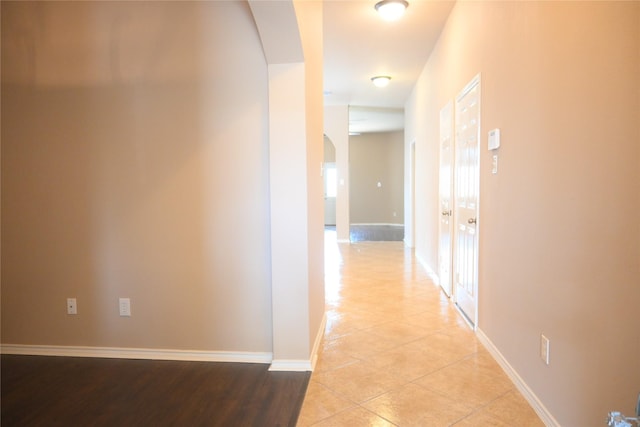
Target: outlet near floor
{"type": "Point", "coordinates": [125, 306]}
{"type": "Point", "coordinates": [544, 349]}
{"type": "Point", "coordinates": [72, 306]}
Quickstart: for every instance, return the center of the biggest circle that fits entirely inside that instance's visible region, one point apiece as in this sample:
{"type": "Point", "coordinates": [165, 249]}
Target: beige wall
{"type": "Point", "coordinates": [559, 235]}
{"type": "Point", "coordinates": [373, 158]}
{"type": "Point", "coordinates": [135, 164]}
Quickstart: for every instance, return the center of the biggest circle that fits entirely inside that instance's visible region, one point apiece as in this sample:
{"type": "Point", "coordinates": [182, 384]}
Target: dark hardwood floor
{"type": "Point", "coordinates": [69, 391]}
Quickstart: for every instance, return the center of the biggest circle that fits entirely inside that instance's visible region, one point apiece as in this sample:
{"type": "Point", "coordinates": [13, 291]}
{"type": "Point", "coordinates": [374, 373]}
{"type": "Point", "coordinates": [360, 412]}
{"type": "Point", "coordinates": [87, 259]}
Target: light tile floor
{"type": "Point", "coordinates": [396, 352]}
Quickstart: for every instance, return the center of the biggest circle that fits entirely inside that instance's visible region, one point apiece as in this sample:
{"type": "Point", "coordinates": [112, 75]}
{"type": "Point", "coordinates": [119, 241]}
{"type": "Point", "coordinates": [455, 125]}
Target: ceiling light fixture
{"type": "Point", "coordinates": [380, 81]}
{"type": "Point", "coordinates": [391, 10]}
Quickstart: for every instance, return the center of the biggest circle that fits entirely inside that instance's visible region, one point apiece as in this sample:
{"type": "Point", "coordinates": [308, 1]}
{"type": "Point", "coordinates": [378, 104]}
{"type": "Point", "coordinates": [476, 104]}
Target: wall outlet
{"type": "Point", "coordinates": [72, 306]}
{"type": "Point", "coordinates": [125, 306]}
{"type": "Point", "coordinates": [544, 349]}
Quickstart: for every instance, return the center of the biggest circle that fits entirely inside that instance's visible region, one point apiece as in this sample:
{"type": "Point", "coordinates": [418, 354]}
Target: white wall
{"type": "Point", "coordinates": [559, 236]}
{"type": "Point", "coordinates": [310, 15]}
{"type": "Point", "coordinates": [296, 187]}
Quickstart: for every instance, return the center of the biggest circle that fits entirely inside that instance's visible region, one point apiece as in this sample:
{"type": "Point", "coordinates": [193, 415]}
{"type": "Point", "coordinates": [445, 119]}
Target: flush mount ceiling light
{"type": "Point", "coordinates": [380, 81]}
{"type": "Point", "coordinates": [391, 10]}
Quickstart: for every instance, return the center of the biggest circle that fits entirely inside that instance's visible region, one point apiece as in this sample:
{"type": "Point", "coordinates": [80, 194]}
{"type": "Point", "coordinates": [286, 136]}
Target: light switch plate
{"type": "Point", "coordinates": [494, 139]}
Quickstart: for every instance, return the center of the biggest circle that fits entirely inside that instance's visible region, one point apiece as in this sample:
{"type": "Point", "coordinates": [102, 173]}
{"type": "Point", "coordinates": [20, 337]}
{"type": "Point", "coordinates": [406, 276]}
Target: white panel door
{"type": "Point", "coordinates": [467, 189]}
{"type": "Point", "coordinates": [445, 195]}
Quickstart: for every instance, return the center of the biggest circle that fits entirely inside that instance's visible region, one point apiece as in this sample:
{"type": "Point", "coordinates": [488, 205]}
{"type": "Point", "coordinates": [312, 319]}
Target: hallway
{"type": "Point", "coordinates": [396, 352]}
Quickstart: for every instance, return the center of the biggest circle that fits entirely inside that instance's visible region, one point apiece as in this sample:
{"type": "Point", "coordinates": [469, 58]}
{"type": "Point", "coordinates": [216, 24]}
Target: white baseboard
{"type": "Point", "coordinates": [136, 353]}
{"type": "Point", "coordinates": [290, 365]}
{"type": "Point", "coordinates": [302, 365]}
{"type": "Point", "coordinates": [430, 273]}
{"type": "Point", "coordinates": [528, 394]}
{"type": "Point", "coordinates": [318, 341]}
{"type": "Point", "coordinates": [164, 354]}
{"type": "Point", "coordinates": [463, 315]}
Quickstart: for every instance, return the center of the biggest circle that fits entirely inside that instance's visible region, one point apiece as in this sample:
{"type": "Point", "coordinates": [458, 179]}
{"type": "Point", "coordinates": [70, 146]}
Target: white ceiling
{"type": "Point", "coordinates": [359, 44]}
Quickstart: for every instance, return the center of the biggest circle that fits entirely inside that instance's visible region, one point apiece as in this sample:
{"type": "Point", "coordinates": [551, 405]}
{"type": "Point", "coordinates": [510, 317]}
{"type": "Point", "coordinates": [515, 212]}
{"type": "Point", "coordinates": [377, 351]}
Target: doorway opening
{"type": "Point", "coordinates": [330, 176]}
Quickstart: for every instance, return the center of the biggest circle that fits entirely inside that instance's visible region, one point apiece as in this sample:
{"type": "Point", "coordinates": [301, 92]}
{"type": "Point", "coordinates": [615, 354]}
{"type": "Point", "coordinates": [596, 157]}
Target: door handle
{"type": "Point", "coordinates": [471, 220]}
{"type": "Point", "coordinates": [446, 213]}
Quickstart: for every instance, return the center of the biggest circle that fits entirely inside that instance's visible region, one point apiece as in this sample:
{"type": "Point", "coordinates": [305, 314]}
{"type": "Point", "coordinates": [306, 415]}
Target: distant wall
{"type": "Point", "coordinates": [377, 158]}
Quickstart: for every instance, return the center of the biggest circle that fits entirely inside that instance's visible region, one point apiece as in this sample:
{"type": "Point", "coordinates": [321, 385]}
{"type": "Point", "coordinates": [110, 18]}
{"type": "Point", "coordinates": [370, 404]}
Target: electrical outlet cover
{"type": "Point", "coordinates": [544, 349]}
{"type": "Point", "coordinates": [125, 306]}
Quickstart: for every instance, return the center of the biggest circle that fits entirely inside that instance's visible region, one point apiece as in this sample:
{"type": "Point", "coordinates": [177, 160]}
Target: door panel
{"type": "Point", "coordinates": [445, 194]}
{"type": "Point", "coordinates": [467, 161]}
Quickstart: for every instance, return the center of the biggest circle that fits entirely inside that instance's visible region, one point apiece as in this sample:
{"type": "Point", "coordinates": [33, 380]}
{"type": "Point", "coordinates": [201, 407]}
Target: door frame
{"type": "Point", "coordinates": [446, 118]}
{"type": "Point", "coordinates": [410, 237]}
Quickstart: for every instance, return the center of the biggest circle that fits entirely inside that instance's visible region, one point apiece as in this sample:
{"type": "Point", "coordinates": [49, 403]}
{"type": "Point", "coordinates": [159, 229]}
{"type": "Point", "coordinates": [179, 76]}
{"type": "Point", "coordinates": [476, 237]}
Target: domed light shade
{"type": "Point", "coordinates": [391, 10]}
{"type": "Point", "coordinates": [380, 81]}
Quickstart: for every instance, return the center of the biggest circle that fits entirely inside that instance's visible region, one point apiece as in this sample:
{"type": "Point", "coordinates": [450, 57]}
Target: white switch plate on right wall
{"type": "Point", "coordinates": [493, 141]}
{"type": "Point", "coordinates": [544, 349]}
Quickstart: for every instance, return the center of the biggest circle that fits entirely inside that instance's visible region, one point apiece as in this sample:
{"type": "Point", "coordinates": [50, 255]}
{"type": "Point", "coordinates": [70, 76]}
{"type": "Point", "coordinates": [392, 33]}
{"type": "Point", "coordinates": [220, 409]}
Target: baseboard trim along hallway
{"type": "Point", "coordinates": [527, 393]}
{"type": "Point", "coordinates": [302, 365]}
{"type": "Point", "coordinates": [137, 353]}
{"type": "Point", "coordinates": [169, 354]}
